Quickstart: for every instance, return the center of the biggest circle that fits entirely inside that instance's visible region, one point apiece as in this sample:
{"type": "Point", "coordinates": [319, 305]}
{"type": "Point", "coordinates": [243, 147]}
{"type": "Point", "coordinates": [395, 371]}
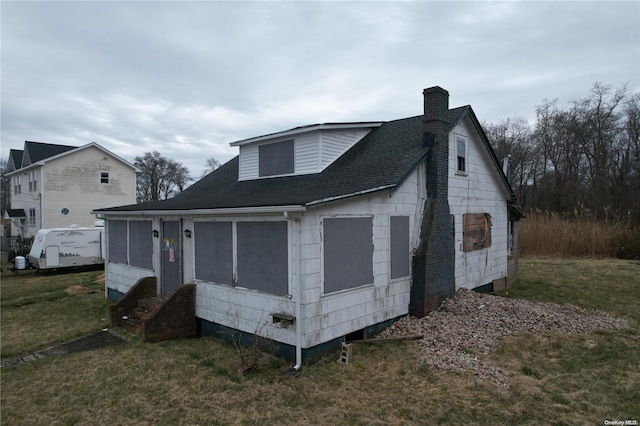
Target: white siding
{"type": "Point", "coordinates": [330, 316]}
{"type": "Point", "coordinates": [313, 151]}
{"type": "Point", "coordinates": [334, 143]}
{"type": "Point", "coordinates": [248, 162]}
{"type": "Point", "coordinates": [479, 191]}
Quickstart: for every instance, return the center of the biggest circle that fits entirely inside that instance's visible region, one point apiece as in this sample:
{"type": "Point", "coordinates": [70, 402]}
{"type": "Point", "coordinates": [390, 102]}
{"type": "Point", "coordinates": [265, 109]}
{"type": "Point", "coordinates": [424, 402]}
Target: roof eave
{"type": "Point", "coordinates": [307, 129]}
{"type": "Point", "coordinates": [228, 211]}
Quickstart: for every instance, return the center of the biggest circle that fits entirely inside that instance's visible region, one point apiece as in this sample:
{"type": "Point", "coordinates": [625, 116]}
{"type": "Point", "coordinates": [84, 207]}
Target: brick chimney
{"type": "Point", "coordinates": [433, 262]}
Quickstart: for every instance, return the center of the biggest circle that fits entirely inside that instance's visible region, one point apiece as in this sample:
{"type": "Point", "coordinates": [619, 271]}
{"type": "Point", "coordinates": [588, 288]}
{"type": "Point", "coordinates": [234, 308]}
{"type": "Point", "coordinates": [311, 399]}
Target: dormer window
{"type": "Point", "coordinates": [276, 158]}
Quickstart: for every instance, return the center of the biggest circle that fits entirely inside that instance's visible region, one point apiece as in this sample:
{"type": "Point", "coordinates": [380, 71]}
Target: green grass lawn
{"type": "Point", "coordinates": [555, 379]}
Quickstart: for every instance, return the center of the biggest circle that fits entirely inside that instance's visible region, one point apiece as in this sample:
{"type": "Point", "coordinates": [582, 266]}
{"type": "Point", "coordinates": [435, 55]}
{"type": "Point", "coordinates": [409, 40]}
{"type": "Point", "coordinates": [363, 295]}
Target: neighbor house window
{"type": "Point", "coordinates": [399, 250]}
{"type": "Point", "coordinates": [461, 154]}
{"type": "Point", "coordinates": [33, 181]}
{"type": "Point", "coordinates": [262, 256]}
{"type": "Point", "coordinates": [32, 217]}
{"type": "Point", "coordinates": [476, 232]}
{"type": "Point", "coordinates": [276, 158]}
{"type": "Point", "coordinates": [348, 252]}
{"type": "Point", "coordinates": [104, 177]}
{"type": "Point", "coordinates": [17, 189]}
{"type": "Point", "coordinates": [214, 251]}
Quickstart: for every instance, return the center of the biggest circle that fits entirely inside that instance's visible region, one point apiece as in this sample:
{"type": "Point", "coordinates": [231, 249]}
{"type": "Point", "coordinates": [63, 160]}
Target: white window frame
{"type": "Point", "coordinates": [104, 175]}
{"type": "Point", "coordinates": [465, 155]}
{"type": "Point", "coordinates": [32, 217]}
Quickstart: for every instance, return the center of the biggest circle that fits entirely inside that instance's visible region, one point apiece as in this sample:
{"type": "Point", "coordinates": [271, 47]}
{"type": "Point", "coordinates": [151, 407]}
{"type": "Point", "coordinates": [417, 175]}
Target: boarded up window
{"type": "Point", "coordinates": [476, 233]}
{"type": "Point", "coordinates": [117, 241]}
{"type": "Point", "coordinates": [263, 261]}
{"type": "Point", "coordinates": [348, 253]}
{"type": "Point", "coordinates": [399, 241]}
{"type": "Point", "coordinates": [140, 244]}
{"type": "Point", "coordinates": [214, 251]}
{"type": "Point", "coordinates": [276, 158]}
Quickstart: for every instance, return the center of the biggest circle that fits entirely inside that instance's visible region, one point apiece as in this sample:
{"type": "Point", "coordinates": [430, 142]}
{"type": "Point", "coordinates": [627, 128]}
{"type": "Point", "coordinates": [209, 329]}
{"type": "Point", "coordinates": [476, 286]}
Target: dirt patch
{"type": "Point", "coordinates": [87, 343]}
{"type": "Point", "coordinates": [78, 289]}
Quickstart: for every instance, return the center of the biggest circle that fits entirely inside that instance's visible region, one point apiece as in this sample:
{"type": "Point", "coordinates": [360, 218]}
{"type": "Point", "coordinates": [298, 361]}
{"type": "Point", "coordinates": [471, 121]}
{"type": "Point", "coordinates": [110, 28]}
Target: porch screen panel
{"type": "Point", "coordinates": [140, 244]}
{"type": "Point", "coordinates": [348, 252]}
{"type": "Point", "coordinates": [214, 251]}
{"type": "Point", "coordinates": [263, 256]}
{"type": "Point", "coordinates": [399, 240]}
{"type": "Point", "coordinates": [117, 234]}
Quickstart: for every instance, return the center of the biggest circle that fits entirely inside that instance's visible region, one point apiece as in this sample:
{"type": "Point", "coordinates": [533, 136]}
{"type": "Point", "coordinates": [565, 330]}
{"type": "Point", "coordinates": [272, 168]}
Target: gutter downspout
{"type": "Point", "coordinates": [297, 291]}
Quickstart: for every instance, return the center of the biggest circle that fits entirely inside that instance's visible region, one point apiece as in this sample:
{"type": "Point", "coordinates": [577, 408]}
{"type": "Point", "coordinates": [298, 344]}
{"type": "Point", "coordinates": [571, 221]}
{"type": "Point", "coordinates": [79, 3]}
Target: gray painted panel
{"type": "Point", "coordinates": [117, 230]}
{"type": "Point", "coordinates": [214, 251]}
{"type": "Point", "coordinates": [276, 158]}
{"type": "Point", "coordinates": [399, 246]}
{"type": "Point", "coordinates": [263, 256]}
{"type": "Point", "coordinates": [140, 244]}
{"type": "Point", "coordinates": [348, 253]}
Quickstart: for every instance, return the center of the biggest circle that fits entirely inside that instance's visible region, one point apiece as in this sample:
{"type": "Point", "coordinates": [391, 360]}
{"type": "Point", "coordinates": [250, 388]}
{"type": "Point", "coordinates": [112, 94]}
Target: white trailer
{"type": "Point", "coordinates": [68, 247]}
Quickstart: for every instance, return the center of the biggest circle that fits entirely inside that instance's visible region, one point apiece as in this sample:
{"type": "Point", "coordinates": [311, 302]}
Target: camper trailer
{"type": "Point", "coordinates": [68, 247]}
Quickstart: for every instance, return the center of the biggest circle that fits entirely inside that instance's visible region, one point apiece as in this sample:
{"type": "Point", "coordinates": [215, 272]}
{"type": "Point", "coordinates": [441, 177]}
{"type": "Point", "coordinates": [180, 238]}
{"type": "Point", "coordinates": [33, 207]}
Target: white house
{"type": "Point", "coordinates": [58, 185]}
{"type": "Point", "coordinates": [327, 232]}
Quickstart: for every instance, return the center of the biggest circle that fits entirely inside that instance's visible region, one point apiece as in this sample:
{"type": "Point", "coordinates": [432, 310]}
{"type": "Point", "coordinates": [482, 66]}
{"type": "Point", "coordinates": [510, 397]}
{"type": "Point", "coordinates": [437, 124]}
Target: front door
{"type": "Point", "coordinates": [171, 256]}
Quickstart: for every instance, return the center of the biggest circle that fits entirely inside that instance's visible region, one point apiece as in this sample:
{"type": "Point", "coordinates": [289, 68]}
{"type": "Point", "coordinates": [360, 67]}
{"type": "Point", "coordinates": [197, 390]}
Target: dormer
{"type": "Point", "coordinates": [299, 151]}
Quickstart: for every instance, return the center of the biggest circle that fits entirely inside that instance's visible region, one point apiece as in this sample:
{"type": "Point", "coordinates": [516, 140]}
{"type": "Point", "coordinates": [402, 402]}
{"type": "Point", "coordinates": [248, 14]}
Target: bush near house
{"type": "Point", "coordinates": [555, 379]}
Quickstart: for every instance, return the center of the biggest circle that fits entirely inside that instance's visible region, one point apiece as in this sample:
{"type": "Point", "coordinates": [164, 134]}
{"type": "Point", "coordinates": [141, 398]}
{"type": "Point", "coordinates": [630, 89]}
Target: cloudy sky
{"type": "Point", "coordinates": [187, 78]}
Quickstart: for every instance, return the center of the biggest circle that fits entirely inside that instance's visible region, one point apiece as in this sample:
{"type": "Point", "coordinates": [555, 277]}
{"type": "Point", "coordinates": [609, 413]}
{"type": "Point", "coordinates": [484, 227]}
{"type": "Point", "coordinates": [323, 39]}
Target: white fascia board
{"type": "Point", "coordinates": [353, 194]}
{"type": "Point", "coordinates": [203, 212]}
{"type": "Point", "coordinates": [307, 129]}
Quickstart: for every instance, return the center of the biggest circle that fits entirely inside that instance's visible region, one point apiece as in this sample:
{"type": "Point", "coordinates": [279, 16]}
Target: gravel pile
{"type": "Point", "coordinates": [471, 324]}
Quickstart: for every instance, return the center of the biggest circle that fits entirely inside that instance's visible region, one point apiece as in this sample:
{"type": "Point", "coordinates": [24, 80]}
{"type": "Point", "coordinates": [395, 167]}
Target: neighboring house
{"type": "Point", "coordinates": [58, 185]}
{"type": "Point", "coordinates": [330, 231]}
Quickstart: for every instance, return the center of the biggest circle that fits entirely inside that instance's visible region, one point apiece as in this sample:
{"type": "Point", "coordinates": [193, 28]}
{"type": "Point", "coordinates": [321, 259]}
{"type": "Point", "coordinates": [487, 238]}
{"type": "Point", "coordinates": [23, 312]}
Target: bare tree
{"type": "Point", "coordinates": [209, 166]}
{"type": "Point", "coordinates": [160, 178]}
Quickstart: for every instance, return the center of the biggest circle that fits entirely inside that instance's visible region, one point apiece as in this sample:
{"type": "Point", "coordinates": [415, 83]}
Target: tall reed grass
{"type": "Point", "coordinates": [550, 234]}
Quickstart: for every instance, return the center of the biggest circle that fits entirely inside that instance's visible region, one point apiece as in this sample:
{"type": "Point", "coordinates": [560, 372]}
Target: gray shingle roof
{"type": "Point", "coordinates": [381, 160]}
{"type": "Point", "coordinates": [39, 151]}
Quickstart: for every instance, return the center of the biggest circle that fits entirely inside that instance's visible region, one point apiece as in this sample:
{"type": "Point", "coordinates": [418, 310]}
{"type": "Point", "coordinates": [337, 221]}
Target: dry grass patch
{"type": "Point", "coordinates": [555, 379]}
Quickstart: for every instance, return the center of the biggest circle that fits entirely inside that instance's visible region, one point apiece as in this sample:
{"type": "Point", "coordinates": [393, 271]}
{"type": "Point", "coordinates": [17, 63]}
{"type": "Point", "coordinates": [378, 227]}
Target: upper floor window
{"type": "Point", "coordinates": [461, 154]}
{"type": "Point", "coordinates": [276, 158]}
{"type": "Point", "coordinates": [17, 188]}
{"type": "Point", "coordinates": [33, 181]}
{"type": "Point", "coordinates": [104, 177]}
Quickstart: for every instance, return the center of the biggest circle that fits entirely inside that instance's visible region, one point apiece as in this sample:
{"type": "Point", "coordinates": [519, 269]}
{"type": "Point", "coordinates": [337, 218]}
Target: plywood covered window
{"type": "Point", "coordinates": [348, 252]}
{"type": "Point", "coordinates": [214, 251]}
{"type": "Point", "coordinates": [141, 244]}
{"type": "Point", "coordinates": [262, 256]}
{"type": "Point", "coordinates": [476, 232]}
{"type": "Point", "coordinates": [276, 158]}
{"type": "Point", "coordinates": [117, 237]}
{"type": "Point", "coordinates": [399, 246]}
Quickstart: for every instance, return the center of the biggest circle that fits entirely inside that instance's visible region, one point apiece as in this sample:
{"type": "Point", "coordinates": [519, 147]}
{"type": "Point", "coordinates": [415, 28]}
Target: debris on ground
{"type": "Point", "coordinates": [471, 324]}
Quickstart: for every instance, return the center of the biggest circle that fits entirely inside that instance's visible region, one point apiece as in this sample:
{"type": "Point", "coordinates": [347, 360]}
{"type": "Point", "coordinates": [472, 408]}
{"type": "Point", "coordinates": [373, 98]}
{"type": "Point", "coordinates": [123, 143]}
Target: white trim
{"type": "Point", "coordinates": [353, 194]}
{"type": "Point", "coordinates": [307, 129]}
{"type": "Point", "coordinates": [204, 212]}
